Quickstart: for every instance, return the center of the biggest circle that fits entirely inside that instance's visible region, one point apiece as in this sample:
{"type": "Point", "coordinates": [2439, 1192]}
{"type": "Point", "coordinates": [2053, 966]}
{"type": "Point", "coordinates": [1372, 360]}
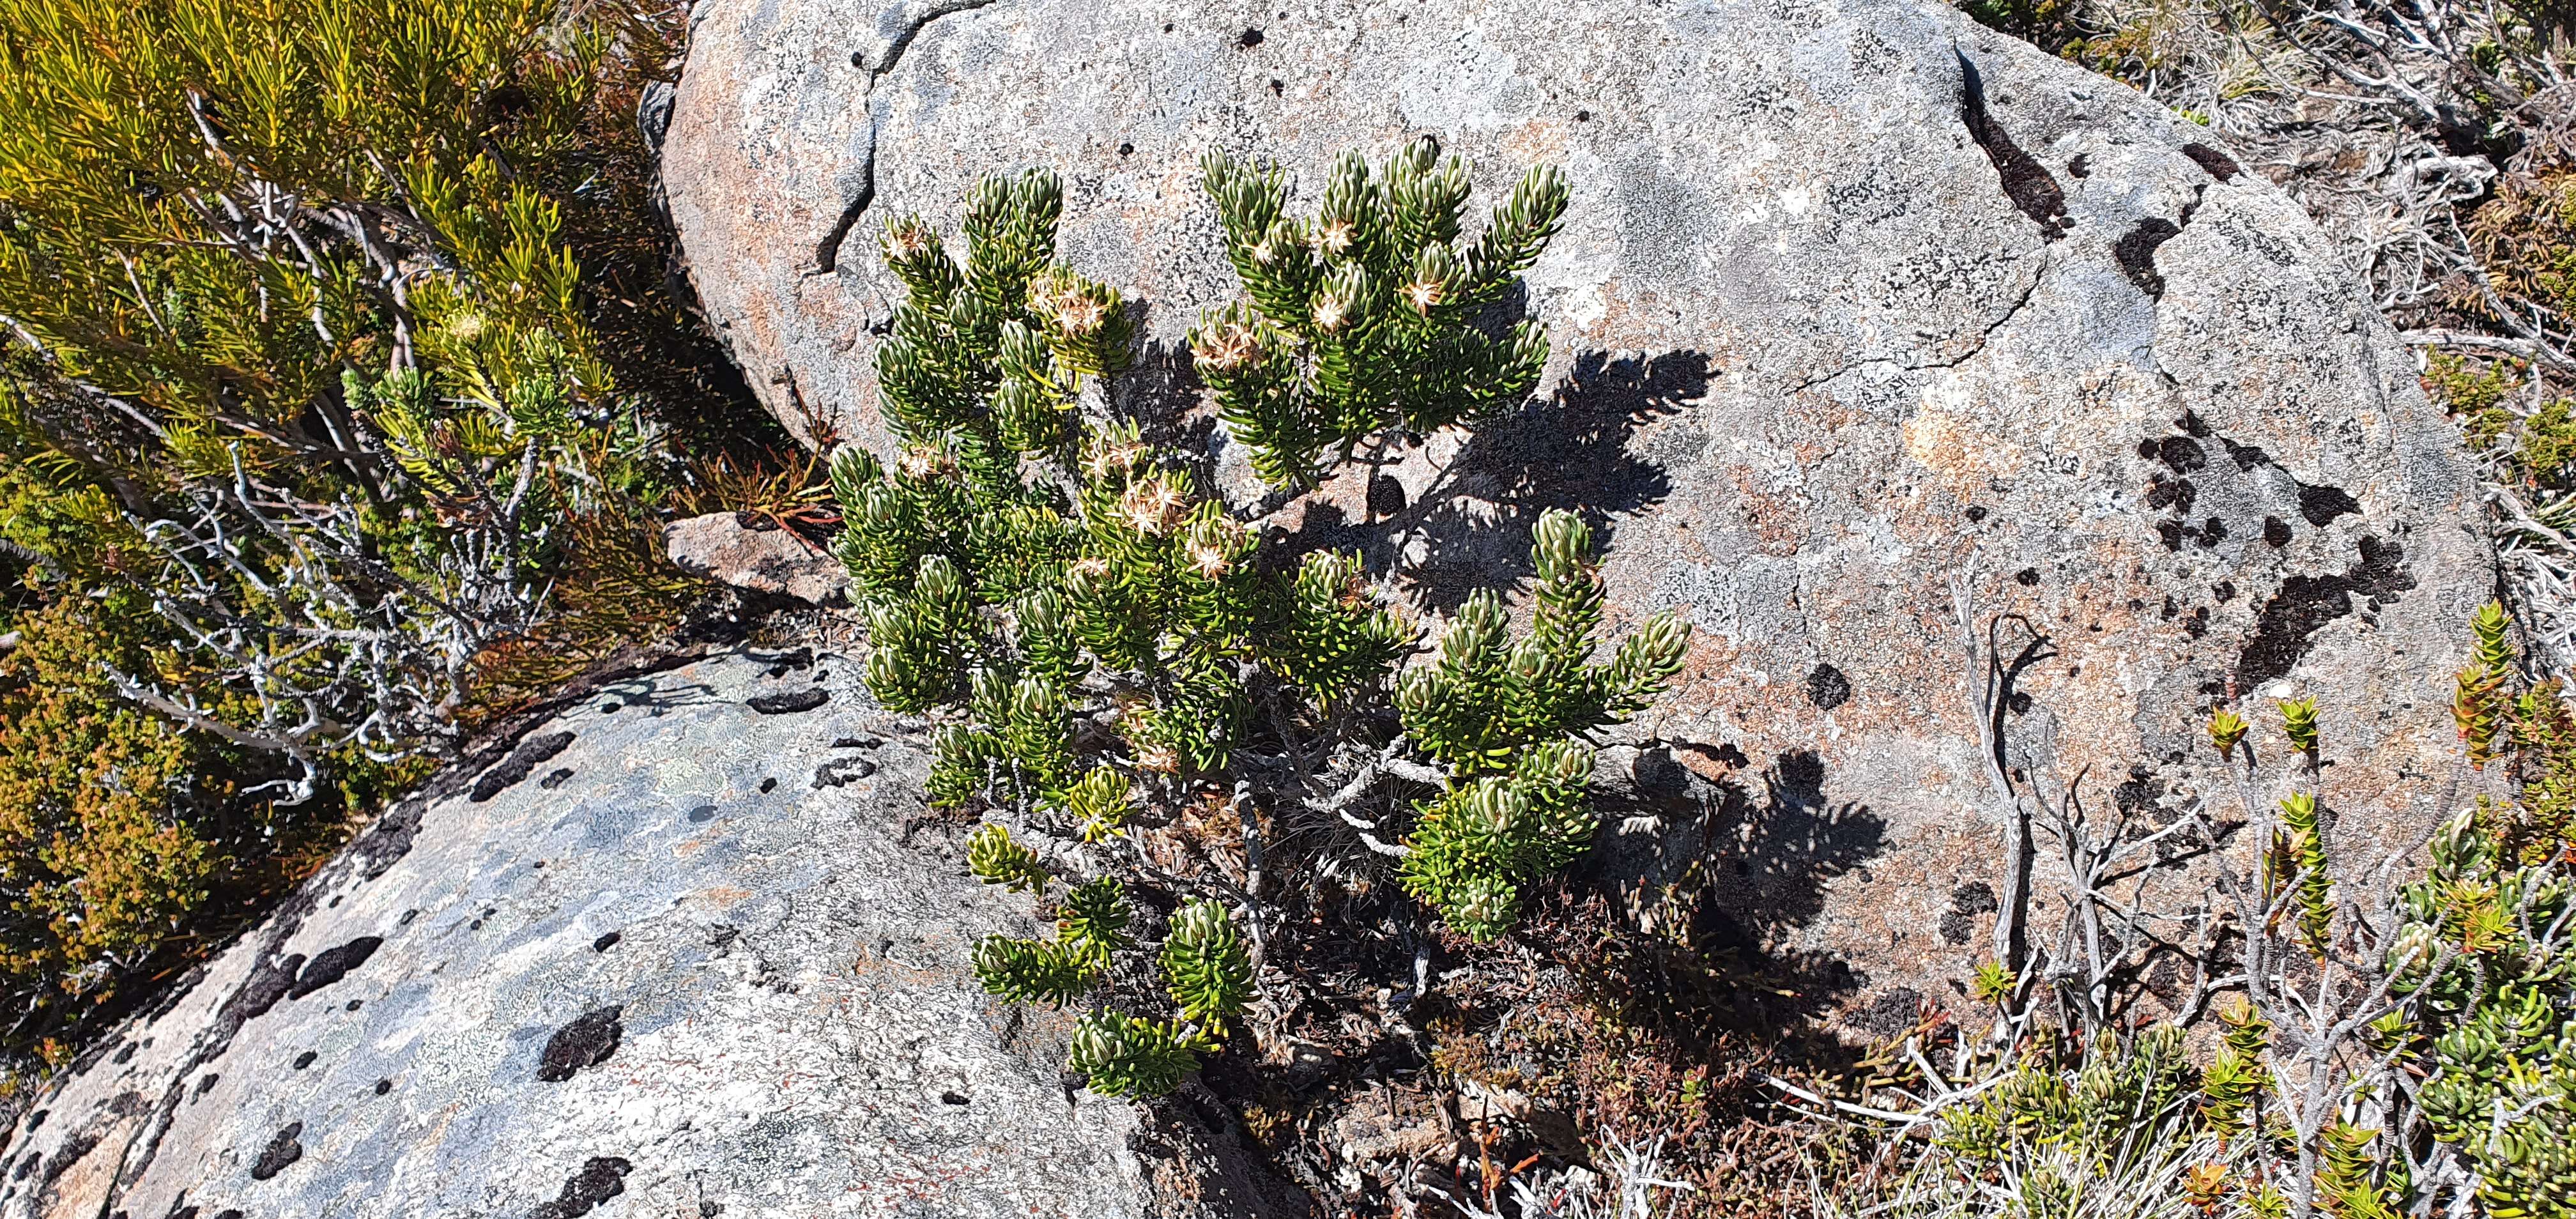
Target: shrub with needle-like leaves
{"type": "Point", "coordinates": [1102, 641]}
{"type": "Point", "coordinates": [1370, 316]}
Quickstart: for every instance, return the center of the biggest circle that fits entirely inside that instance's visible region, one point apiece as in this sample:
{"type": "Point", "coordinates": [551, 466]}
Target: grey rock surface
{"type": "Point", "coordinates": [722, 547]}
{"type": "Point", "coordinates": [663, 972]}
{"type": "Point", "coordinates": [1854, 297]}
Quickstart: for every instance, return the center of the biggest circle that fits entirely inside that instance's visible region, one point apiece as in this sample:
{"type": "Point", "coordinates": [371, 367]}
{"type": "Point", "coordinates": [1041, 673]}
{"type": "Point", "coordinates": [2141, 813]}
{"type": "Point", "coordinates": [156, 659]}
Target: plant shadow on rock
{"type": "Point", "coordinates": [1650, 991]}
{"type": "Point", "coordinates": [1161, 390]}
{"type": "Point", "coordinates": [1709, 880]}
{"type": "Point", "coordinates": [1471, 528]}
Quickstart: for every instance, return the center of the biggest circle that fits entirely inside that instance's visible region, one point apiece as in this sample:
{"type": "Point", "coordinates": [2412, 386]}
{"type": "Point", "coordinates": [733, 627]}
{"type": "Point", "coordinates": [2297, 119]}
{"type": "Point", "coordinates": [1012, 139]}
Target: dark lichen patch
{"type": "Point", "coordinates": [519, 764]}
{"type": "Point", "coordinates": [1959, 923]}
{"type": "Point", "coordinates": [2217, 164]}
{"type": "Point", "coordinates": [68, 1154]}
{"type": "Point", "coordinates": [205, 1084]}
{"type": "Point", "coordinates": [555, 778]}
{"type": "Point", "coordinates": [383, 1086]}
{"type": "Point", "coordinates": [2180, 454]}
{"type": "Point", "coordinates": [606, 942]}
{"type": "Point", "coordinates": [857, 742]}
{"type": "Point", "coordinates": [2276, 532]}
{"type": "Point", "coordinates": [332, 964]}
{"type": "Point", "coordinates": [2321, 505]}
{"type": "Point", "coordinates": [600, 1179]}
{"type": "Point", "coordinates": [282, 1151]}
{"type": "Point", "coordinates": [842, 771]}
{"type": "Point", "coordinates": [1895, 1010]}
{"type": "Point", "coordinates": [702, 814]}
{"type": "Point", "coordinates": [2286, 629]}
{"type": "Point", "coordinates": [1827, 688]}
{"type": "Point", "coordinates": [790, 702]}
{"type": "Point", "coordinates": [2136, 252]}
{"type": "Point", "coordinates": [2175, 493]}
{"type": "Point", "coordinates": [2027, 577]}
{"type": "Point", "coordinates": [265, 986]}
{"type": "Point", "coordinates": [586, 1042]}
{"type": "Point", "coordinates": [305, 1059]}
{"type": "Point", "coordinates": [2140, 795]}
{"type": "Point", "coordinates": [2025, 181]}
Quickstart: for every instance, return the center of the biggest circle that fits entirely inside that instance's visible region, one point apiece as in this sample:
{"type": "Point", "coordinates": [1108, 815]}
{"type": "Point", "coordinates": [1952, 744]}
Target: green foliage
{"type": "Point", "coordinates": [1033, 971]}
{"type": "Point", "coordinates": [1207, 969]}
{"type": "Point", "coordinates": [2299, 859]}
{"type": "Point", "coordinates": [1095, 917]}
{"type": "Point", "coordinates": [2358, 1180]}
{"type": "Point", "coordinates": [2299, 723]}
{"type": "Point", "coordinates": [307, 438]}
{"type": "Point", "coordinates": [996, 859]}
{"type": "Point", "coordinates": [1092, 925]}
{"type": "Point", "coordinates": [113, 826]}
{"type": "Point", "coordinates": [1488, 698]}
{"type": "Point", "coordinates": [1017, 746]}
{"type": "Point", "coordinates": [1100, 637]}
{"type": "Point", "coordinates": [2234, 1078]}
{"type": "Point", "coordinates": [2095, 1113]}
{"type": "Point", "coordinates": [1477, 844]}
{"type": "Point", "coordinates": [1332, 644]}
{"type": "Point", "coordinates": [2533, 436]}
{"type": "Point", "coordinates": [1368, 315]}
{"type": "Point", "coordinates": [926, 637]}
{"type": "Point", "coordinates": [1099, 804]}
{"type": "Point", "coordinates": [2478, 704]}
{"type": "Point", "coordinates": [2226, 730]}
{"type": "Point", "coordinates": [1992, 983]}
{"type": "Point", "coordinates": [1125, 1055]}
{"type": "Point", "coordinates": [2499, 1031]}
{"type": "Point", "coordinates": [2541, 824]}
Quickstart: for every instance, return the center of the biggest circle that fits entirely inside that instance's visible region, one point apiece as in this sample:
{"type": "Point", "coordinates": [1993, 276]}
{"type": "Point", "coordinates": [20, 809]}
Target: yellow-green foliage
{"type": "Point", "coordinates": [324, 243]}
{"type": "Point", "coordinates": [2492, 403]}
{"type": "Point", "coordinates": [2497, 1031]}
{"type": "Point", "coordinates": [2235, 1074]}
{"type": "Point", "coordinates": [101, 853]}
{"type": "Point", "coordinates": [2099, 1108]}
{"type": "Point", "coordinates": [124, 125]}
